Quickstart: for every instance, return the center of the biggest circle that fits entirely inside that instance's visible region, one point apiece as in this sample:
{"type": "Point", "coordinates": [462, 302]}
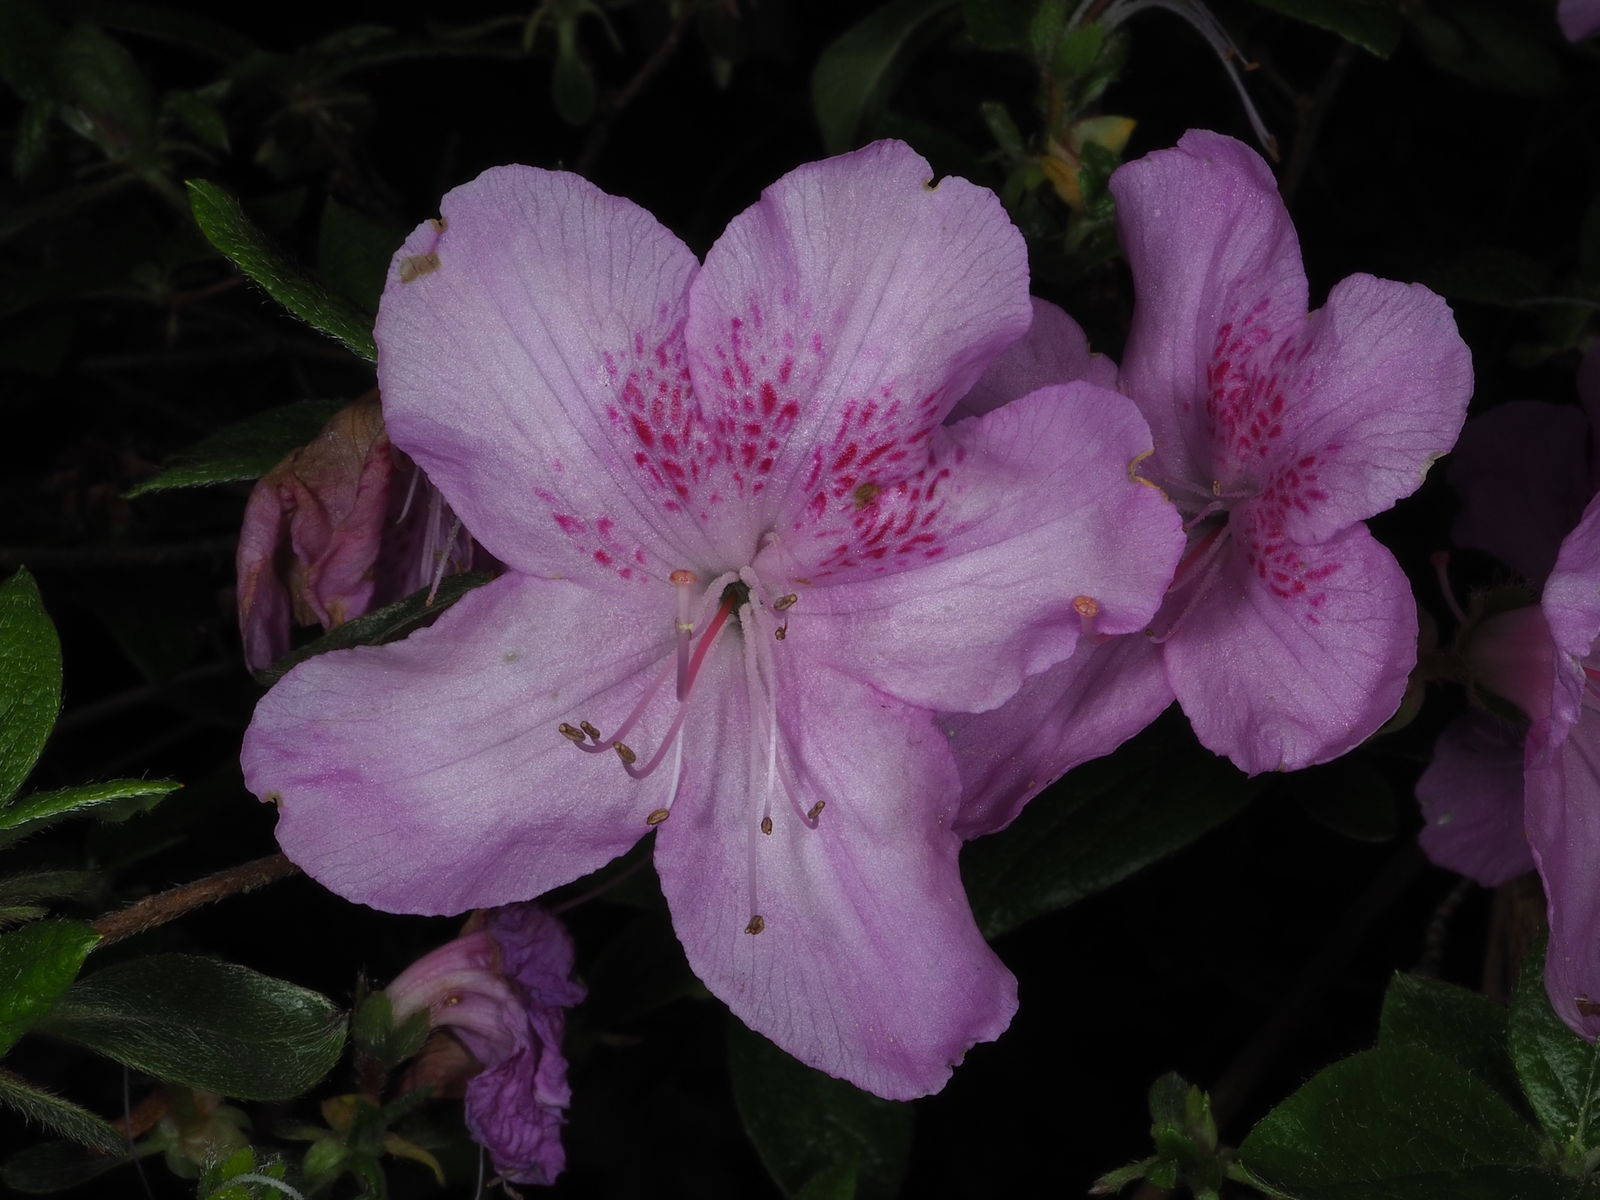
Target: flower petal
{"type": "Point", "coordinates": [1216, 263]}
{"type": "Point", "coordinates": [1571, 607]}
{"type": "Point", "coordinates": [1375, 389]}
{"type": "Point", "coordinates": [1578, 18]}
{"type": "Point", "coordinates": [1471, 796]}
{"type": "Point", "coordinates": [1563, 816]}
{"type": "Point", "coordinates": [1054, 350]}
{"type": "Point", "coordinates": [1078, 710]}
{"type": "Point", "coordinates": [1028, 528]}
{"type": "Point", "coordinates": [869, 966]}
{"type": "Point", "coordinates": [1294, 654]}
{"type": "Point", "coordinates": [1522, 473]}
{"type": "Point", "coordinates": [839, 318]}
{"type": "Point", "coordinates": [416, 776]}
{"type": "Point", "coordinates": [531, 361]}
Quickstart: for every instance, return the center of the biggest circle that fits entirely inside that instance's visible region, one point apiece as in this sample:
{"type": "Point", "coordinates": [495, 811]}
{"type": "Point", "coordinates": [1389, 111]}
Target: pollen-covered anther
{"type": "Point", "coordinates": [816, 810]}
{"type": "Point", "coordinates": [589, 729]}
{"type": "Point", "coordinates": [766, 826]}
{"type": "Point", "coordinates": [655, 818]}
{"type": "Point", "coordinates": [438, 224]}
{"type": "Point", "coordinates": [624, 753]}
{"type": "Point", "coordinates": [1087, 608]}
{"type": "Point", "coordinates": [785, 602]}
{"type": "Point", "coordinates": [757, 924]}
{"type": "Point", "coordinates": [781, 632]}
{"type": "Point", "coordinates": [573, 734]}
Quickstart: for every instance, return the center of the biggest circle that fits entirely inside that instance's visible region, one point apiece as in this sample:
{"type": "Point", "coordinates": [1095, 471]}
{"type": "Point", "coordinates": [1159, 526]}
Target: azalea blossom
{"type": "Point", "coordinates": [747, 561]}
{"type": "Point", "coordinates": [501, 991]}
{"type": "Point", "coordinates": [1578, 19]}
{"type": "Point", "coordinates": [1289, 633]}
{"type": "Point", "coordinates": [340, 526]}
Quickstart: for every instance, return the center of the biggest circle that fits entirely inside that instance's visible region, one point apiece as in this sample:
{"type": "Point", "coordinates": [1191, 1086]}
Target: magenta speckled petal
{"type": "Point", "coordinates": [1373, 389]}
{"type": "Point", "coordinates": [1217, 264]}
{"type": "Point", "coordinates": [868, 965]}
{"type": "Point", "coordinates": [1054, 350]}
{"type": "Point", "coordinates": [1027, 529]}
{"type": "Point", "coordinates": [839, 318]}
{"type": "Point", "coordinates": [520, 351]}
{"type": "Point", "coordinates": [1471, 796]}
{"type": "Point", "coordinates": [1300, 662]}
{"type": "Point", "coordinates": [415, 776]}
{"type": "Point", "coordinates": [1081, 709]}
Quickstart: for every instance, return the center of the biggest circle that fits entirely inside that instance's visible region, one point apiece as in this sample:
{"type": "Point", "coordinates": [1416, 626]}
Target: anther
{"type": "Point", "coordinates": [589, 729]}
{"type": "Point", "coordinates": [418, 265]}
{"type": "Point", "coordinates": [766, 825]}
{"type": "Point", "coordinates": [757, 924]}
{"type": "Point", "coordinates": [655, 818]}
{"type": "Point", "coordinates": [1086, 606]}
{"type": "Point", "coordinates": [571, 734]}
{"type": "Point", "coordinates": [625, 754]}
{"type": "Point", "coordinates": [816, 810]}
{"type": "Point", "coordinates": [439, 224]}
{"type": "Point", "coordinates": [1586, 1006]}
{"type": "Point", "coordinates": [783, 602]}
{"type": "Point", "coordinates": [781, 632]}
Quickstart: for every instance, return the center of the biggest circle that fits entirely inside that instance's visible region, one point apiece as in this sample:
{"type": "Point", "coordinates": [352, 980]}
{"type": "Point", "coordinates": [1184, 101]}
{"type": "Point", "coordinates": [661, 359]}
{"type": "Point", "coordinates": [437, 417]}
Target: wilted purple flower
{"type": "Point", "coordinates": [502, 990]}
{"type": "Point", "coordinates": [747, 559]}
{"type": "Point", "coordinates": [1289, 633]}
{"type": "Point", "coordinates": [1578, 18]}
{"type": "Point", "coordinates": [340, 526]}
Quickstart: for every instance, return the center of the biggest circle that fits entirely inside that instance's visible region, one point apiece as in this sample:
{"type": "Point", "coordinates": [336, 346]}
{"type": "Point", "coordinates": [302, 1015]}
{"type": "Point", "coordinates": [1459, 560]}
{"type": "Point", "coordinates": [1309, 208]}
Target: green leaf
{"type": "Point", "coordinates": [30, 680]}
{"type": "Point", "coordinates": [998, 24]}
{"type": "Point", "coordinates": [1502, 46]}
{"type": "Point", "coordinates": [1101, 823]}
{"type": "Point", "coordinates": [854, 75]}
{"type": "Point", "coordinates": [1560, 1072]}
{"type": "Point", "coordinates": [200, 117]}
{"type": "Point", "coordinates": [32, 813]}
{"type": "Point", "coordinates": [60, 1116]}
{"type": "Point", "coordinates": [31, 886]}
{"type": "Point", "coordinates": [353, 253]}
{"type": "Point", "coordinates": [572, 88]}
{"type": "Point", "coordinates": [28, 41]}
{"type": "Point", "coordinates": [56, 1166]}
{"type": "Point", "coordinates": [105, 94]}
{"type": "Point", "coordinates": [804, 1123]}
{"type": "Point", "coordinates": [239, 1177]}
{"type": "Point", "coordinates": [1467, 1028]}
{"type": "Point", "coordinates": [37, 964]}
{"type": "Point", "coordinates": [1374, 25]}
{"type": "Point", "coordinates": [227, 228]}
{"type": "Point", "coordinates": [247, 449]}
{"type": "Point", "coordinates": [838, 1182]}
{"type": "Point", "coordinates": [208, 1024]}
{"type": "Point", "coordinates": [381, 624]}
{"type": "Point", "coordinates": [1398, 1123]}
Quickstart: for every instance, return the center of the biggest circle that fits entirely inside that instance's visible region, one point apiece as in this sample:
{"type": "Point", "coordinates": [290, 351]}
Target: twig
{"type": "Point", "coordinates": [600, 131]}
{"type": "Point", "coordinates": [175, 902]}
{"type": "Point", "coordinates": [1309, 124]}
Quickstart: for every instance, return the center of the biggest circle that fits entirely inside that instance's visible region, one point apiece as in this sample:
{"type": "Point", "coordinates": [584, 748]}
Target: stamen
{"type": "Point", "coordinates": [766, 826]}
{"type": "Point", "coordinates": [781, 632]}
{"type": "Point", "coordinates": [684, 581]}
{"type": "Point", "coordinates": [624, 753]}
{"type": "Point", "coordinates": [757, 924]}
{"type": "Point", "coordinates": [567, 731]}
{"type": "Point", "coordinates": [655, 818]}
{"type": "Point", "coordinates": [1441, 560]}
{"type": "Point", "coordinates": [816, 811]}
{"type": "Point", "coordinates": [1087, 608]}
{"type": "Point", "coordinates": [589, 729]}
{"type": "Point", "coordinates": [783, 602]}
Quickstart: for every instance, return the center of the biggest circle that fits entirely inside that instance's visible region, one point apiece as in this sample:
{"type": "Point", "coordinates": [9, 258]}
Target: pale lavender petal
{"type": "Point", "coordinates": [428, 776]}
{"type": "Point", "coordinates": [1522, 473]}
{"type": "Point", "coordinates": [869, 965]}
{"type": "Point", "coordinates": [1571, 606]}
{"type": "Point", "coordinates": [1216, 266]}
{"type": "Point", "coordinates": [1471, 797]}
{"type": "Point", "coordinates": [1346, 416]}
{"type": "Point", "coordinates": [1081, 709]}
{"type": "Point", "coordinates": [1578, 19]}
{"type": "Point", "coordinates": [1028, 529]}
{"type": "Point", "coordinates": [531, 360]}
{"type": "Point", "coordinates": [260, 593]}
{"type": "Point", "coordinates": [1054, 350]}
{"type": "Point", "coordinates": [1294, 654]}
{"type": "Point", "coordinates": [839, 318]}
{"type": "Point", "coordinates": [1563, 816]}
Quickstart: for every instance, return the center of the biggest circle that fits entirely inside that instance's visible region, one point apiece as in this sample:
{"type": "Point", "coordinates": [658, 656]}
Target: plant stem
{"type": "Point", "coordinates": [175, 902]}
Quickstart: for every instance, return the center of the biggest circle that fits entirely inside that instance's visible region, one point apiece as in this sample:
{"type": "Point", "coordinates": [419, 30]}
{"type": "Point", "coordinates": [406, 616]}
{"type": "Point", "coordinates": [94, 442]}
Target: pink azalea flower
{"type": "Point", "coordinates": [340, 526]}
{"type": "Point", "coordinates": [502, 990]}
{"type": "Point", "coordinates": [746, 559]}
{"type": "Point", "coordinates": [1578, 18]}
{"type": "Point", "coordinates": [1290, 632]}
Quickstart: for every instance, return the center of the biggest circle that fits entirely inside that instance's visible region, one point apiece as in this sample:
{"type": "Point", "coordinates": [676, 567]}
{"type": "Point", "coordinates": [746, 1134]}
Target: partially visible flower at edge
{"type": "Point", "coordinates": [501, 990]}
{"type": "Point", "coordinates": [343, 525]}
{"type": "Point", "coordinates": [1578, 18]}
